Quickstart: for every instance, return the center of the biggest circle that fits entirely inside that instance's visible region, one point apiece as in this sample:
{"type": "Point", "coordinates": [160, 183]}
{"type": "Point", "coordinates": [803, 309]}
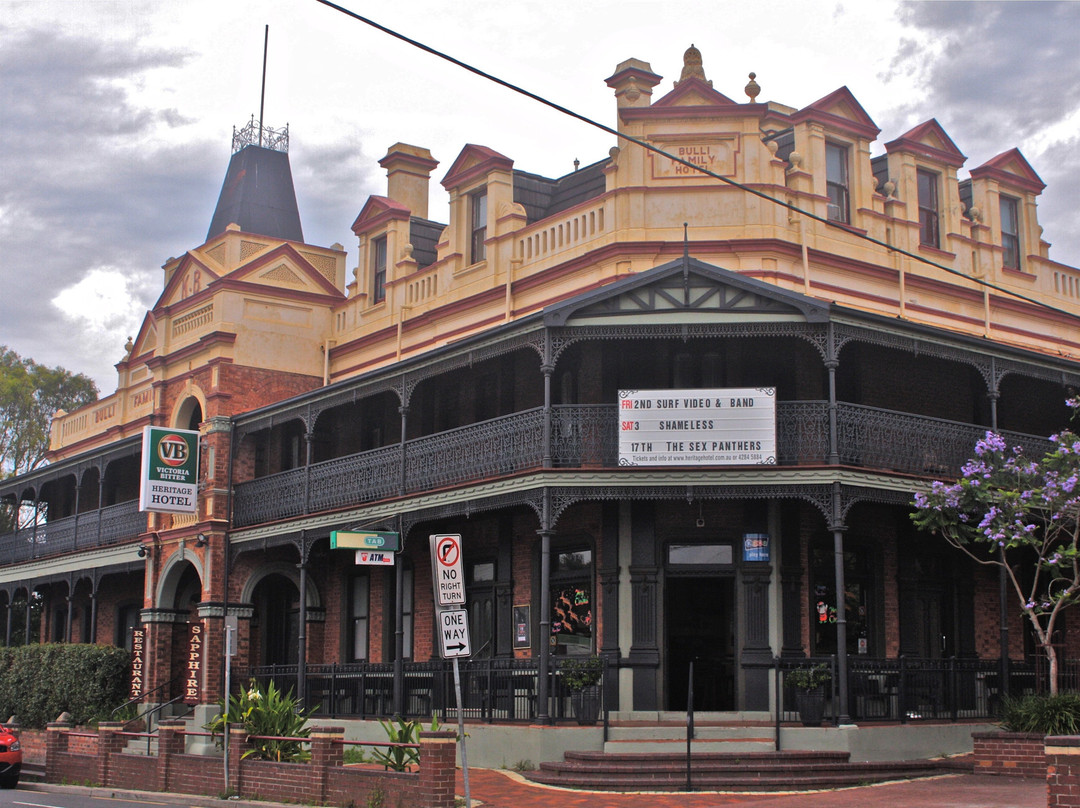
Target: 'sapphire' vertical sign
{"type": "Point", "coordinates": [170, 470]}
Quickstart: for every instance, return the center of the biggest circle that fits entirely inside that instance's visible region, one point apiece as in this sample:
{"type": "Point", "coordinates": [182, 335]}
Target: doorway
{"type": "Point", "coordinates": [700, 626]}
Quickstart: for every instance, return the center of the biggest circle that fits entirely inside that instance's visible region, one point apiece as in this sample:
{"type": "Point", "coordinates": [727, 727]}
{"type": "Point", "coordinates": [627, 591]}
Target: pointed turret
{"type": "Point", "coordinates": [258, 192]}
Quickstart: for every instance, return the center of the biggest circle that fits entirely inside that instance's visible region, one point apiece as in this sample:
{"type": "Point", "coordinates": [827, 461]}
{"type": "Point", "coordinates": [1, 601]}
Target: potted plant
{"type": "Point", "coordinates": [809, 684]}
{"type": "Point", "coordinates": [582, 678]}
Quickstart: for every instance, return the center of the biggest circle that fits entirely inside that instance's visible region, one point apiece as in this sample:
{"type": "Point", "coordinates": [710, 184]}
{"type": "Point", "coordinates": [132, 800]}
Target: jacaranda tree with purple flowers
{"type": "Point", "coordinates": [1012, 511]}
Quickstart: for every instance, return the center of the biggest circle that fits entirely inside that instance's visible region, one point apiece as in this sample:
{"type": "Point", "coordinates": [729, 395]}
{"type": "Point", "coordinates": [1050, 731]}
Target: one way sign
{"type": "Point", "coordinates": [454, 633]}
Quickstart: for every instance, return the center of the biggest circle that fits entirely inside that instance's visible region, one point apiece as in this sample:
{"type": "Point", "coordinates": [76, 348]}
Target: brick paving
{"type": "Point", "coordinates": [498, 788]}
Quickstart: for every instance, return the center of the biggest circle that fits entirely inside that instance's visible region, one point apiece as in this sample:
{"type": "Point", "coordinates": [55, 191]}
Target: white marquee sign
{"type": "Point", "coordinates": [725, 427]}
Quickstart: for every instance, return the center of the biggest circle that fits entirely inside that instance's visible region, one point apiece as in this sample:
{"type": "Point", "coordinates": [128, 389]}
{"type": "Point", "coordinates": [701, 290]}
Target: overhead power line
{"type": "Point", "coordinates": [790, 206]}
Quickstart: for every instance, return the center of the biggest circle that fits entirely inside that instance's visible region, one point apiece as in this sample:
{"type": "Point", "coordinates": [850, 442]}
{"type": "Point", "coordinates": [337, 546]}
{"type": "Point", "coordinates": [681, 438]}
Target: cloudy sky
{"type": "Point", "coordinates": [116, 116]}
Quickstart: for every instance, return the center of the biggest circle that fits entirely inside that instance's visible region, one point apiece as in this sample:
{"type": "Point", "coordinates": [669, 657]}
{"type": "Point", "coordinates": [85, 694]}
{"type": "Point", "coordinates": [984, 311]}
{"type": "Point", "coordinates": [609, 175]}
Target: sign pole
{"type": "Point", "coordinates": [461, 732]}
{"type": "Point", "coordinates": [228, 680]}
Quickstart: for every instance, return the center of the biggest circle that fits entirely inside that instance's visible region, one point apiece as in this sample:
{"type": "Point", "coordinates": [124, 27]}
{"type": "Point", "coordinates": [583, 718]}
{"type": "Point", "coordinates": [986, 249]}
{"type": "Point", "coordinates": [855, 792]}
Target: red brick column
{"type": "Point", "coordinates": [238, 744]}
{"type": "Point", "coordinates": [438, 756]}
{"type": "Point", "coordinates": [110, 742]}
{"type": "Point", "coordinates": [56, 742]}
{"type": "Point", "coordinates": [1063, 771]}
{"type": "Point", "coordinates": [171, 741]}
{"type": "Point", "coordinates": [324, 754]}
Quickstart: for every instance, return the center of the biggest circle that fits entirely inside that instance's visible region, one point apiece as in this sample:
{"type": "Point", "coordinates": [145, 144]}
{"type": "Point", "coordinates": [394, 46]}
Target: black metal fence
{"type": "Point", "coordinates": [492, 690]}
{"type": "Point", "coordinates": [901, 690]}
{"type": "Point", "coordinates": [908, 689]}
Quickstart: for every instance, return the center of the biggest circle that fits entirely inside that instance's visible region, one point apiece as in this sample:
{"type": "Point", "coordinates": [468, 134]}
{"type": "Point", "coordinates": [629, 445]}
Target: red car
{"type": "Point", "coordinates": [10, 758]}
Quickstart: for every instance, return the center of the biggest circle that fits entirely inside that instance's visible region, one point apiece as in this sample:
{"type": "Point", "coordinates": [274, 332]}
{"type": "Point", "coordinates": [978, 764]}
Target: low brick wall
{"type": "Point", "coordinates": [1013, 754]}
{"type": "Point", "coordinates": [324, 780]}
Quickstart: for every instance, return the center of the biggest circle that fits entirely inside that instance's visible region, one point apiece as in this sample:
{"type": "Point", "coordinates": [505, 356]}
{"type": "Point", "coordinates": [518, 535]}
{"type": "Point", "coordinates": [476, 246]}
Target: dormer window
{"type": "Point", "coordinates": [1010, 233]}
{"type": "Point", "coordinates": [378, 270]}
{"type": "Point", "coordinates": [836, 182]}
{"type": "Point", "coordinates": [477, 226]}
{"type": "Point", "coordinates": [929, 212]}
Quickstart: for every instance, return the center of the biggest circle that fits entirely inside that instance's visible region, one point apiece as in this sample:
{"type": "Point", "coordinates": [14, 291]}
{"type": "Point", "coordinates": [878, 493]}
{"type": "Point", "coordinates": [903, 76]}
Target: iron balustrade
{"type": "Point", "coordinates": [586, 436]}
{"type": "Point", "coordinates": [918, 444]}
{"type": "Point", "coordinates": [113, 524]}
{"type": "Point", "coordinates": [365, 477]}
{"type": "Point", "coordinates": [492, 448]}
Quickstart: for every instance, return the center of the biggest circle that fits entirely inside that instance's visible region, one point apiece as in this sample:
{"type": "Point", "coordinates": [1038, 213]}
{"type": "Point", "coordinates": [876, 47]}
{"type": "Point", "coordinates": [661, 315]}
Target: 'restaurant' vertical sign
{"type": "Point", "coordinates": [169, 479]}
{"type": "Point", "coordinates": [138, 644]}
{"type": "Point", "coordinates": [194, 664]}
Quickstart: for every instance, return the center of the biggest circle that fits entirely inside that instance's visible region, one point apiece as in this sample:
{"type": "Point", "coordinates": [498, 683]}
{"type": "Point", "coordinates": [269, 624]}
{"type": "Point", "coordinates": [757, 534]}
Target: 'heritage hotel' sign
{"type": "Point", "coordinates": [169, 482]}
{"type": "Point", "coordinates": [725, 427]}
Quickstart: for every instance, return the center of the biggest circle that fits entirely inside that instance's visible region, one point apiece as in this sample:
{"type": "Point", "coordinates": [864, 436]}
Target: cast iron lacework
{"type": "Point", "coordinates": [885, 439]}
{"type": "Point", "coordinates": [992, 369]}
{"type": "Point", "coordinates": [854, 495]}
{"type": "Point", "coordinates": [488, 449]}
{"type": "Point", "coordinates": [586, 437]}
{"type": "Point", "coordinates": [363, 477]}
{"type": "Point", "coordinates": [814, 333]}
{"type": "Point", "coordinates": [468, 358]}
{"type": "Point", "coordinates": [532, 499]}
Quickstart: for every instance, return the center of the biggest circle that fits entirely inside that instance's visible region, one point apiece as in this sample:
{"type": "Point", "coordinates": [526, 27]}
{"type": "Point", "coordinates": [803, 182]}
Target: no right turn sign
{"type": "Point", "coordinates": [447, 569]}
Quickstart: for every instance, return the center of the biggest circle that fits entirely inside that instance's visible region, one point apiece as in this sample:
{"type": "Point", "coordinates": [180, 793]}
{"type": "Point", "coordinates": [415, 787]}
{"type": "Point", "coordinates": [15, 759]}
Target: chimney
{"type": "Point", "coordinates": [633, 83]}
{"type": "Point", "coordinates": [408, 171]}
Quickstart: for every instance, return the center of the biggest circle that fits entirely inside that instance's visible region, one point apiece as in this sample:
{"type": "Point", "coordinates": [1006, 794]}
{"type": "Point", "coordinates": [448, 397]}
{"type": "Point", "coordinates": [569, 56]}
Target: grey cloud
{"type": "Point", "coordinates": [1015, 66]}
{"type": "Point", "coordinates": [81, 189]}
{"type": "Point", "coordinates": [998, 75]}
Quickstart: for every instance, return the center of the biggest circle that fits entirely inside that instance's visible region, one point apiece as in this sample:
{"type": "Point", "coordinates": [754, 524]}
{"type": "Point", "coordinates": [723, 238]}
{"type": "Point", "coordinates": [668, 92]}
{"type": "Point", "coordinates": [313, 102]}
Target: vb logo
{"type": "Point", "coordinates": [173, 450]}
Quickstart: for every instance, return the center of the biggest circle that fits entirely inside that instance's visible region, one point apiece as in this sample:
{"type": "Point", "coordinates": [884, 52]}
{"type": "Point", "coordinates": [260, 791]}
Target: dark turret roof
{"type": "Point", "coordinates": [258, 195]}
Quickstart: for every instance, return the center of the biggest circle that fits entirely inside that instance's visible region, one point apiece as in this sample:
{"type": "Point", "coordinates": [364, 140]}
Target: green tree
{"type": "Point", "coordinates": [30, 394]}
{"type": "Point", "coordinates": [1020, 514]}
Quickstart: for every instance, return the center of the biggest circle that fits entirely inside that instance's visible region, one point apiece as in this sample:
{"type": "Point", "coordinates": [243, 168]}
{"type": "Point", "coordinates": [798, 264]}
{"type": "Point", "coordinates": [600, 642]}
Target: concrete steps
{"type": "Point", "coordinates": [668, 738]}
{"type": "Point", "coordinates": [731, 771]}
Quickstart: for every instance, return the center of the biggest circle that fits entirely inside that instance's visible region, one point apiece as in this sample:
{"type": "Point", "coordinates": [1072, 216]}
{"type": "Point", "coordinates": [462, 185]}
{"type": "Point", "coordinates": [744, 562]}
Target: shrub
{"type": "Point", "coordinates": [808, 678]}
{"type": "Point", "coordinates": [1043, 714]}
{"type": "Point", "coordinates": [38, 682]}
{"type": "Point", "coordinates": [579, 674]}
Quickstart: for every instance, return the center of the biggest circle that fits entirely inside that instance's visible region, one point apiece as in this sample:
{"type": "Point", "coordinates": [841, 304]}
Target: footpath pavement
{"type": "Point", "coordinates": [497, 788]}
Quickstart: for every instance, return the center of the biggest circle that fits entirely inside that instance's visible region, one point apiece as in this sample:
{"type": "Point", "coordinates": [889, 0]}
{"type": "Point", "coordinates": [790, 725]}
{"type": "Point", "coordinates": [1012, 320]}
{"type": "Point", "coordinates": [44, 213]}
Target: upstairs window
{"type": "Point", "coordinates": [477, 226]}
{"type": "Point", "coordinates": [928, 208]}
{"type": "Point", "coordinates": [378, 272]}
{"type": "Point", "coordinates": [836, 182]}
{"type": "Point", "coordinates": [1010, 233]}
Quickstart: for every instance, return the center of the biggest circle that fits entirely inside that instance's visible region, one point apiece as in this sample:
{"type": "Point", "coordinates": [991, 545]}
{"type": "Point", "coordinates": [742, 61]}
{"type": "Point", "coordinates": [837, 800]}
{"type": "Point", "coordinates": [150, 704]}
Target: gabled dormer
{"type": "Point", "coordinates": [481, 188]}
{"type": "Point", "coordinates": [1002, 195]}
{"type": "Point", "coordinates": [921, 186]}
{"type": "Point", "coordinates": [831, 158]}
{"type": "Point", "coordinates": [382, 228]}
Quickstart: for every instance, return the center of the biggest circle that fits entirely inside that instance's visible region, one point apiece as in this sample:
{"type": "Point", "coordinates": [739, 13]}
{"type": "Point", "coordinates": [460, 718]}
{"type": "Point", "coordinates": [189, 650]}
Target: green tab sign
{"type": "Point", "coordinates": [366, 540]}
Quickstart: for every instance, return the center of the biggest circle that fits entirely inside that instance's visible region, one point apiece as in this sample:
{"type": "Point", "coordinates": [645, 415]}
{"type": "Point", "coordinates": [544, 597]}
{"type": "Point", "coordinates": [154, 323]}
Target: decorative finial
{"type": "Point", "coordinates": [129, 346]}
{"type": "Point", "coordinates": [752, 88]}
{"type": "Point", "coordinates": [692, 66]}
